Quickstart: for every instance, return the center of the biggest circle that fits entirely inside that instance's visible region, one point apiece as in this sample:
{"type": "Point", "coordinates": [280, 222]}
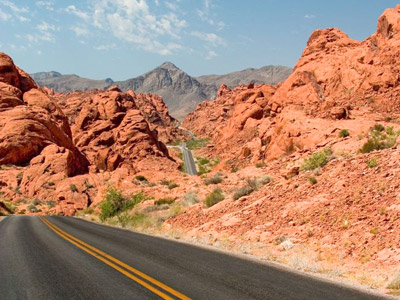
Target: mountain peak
{"type": "Point", "coordinates": [169, 65]}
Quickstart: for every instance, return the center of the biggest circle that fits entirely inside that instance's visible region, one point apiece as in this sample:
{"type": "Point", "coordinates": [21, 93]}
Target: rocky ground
{"type": "Point", "coordinates": [304, 172]}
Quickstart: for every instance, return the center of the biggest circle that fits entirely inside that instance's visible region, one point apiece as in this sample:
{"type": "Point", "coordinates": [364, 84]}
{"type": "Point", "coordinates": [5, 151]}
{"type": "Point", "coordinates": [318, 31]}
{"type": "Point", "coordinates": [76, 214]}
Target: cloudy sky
{"type": "Point", "coordinates": [125, 38]}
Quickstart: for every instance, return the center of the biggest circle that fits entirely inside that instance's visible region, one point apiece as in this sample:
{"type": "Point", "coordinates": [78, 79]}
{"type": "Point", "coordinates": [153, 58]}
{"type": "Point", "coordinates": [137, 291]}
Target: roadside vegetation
{"type": "Point", "coordinates": [379, 138]}
{"type": "Point", "coordinates": [252, 184]}
{"type": "Point", "coordinates": [317, 160]}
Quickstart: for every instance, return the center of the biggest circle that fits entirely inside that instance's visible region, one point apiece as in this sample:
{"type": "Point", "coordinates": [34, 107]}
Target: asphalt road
{"type": "Point", "coordinates": [188, 160]}
{"type": "Point", "coordinates": [69, 258]}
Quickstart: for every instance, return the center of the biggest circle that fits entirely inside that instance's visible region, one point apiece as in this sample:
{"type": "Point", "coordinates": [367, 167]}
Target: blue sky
{"type": "Point", "coordinates": [125, 38]}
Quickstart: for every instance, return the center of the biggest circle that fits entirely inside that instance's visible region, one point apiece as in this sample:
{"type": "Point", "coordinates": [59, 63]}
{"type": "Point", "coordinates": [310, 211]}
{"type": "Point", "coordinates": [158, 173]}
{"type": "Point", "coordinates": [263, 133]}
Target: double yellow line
{"type": "Point", "coordinates": [146, 281]}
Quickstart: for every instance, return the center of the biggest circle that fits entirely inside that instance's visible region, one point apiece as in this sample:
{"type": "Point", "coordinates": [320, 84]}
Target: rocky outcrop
{"type": "Point", "coordinates": [30, 120]}
{"type": "Point", "coordinates": [111, 129]}
{"type": "Point", "coordinates": [336, 79]}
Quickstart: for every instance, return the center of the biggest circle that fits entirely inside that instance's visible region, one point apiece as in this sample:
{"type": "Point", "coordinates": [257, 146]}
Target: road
{"type": "Point", "coordinates": [188, 160]}
{"type": "Point", "coordinates": [68, 258]}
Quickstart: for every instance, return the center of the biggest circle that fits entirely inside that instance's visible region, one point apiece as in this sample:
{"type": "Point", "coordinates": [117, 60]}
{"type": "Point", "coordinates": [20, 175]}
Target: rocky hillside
{"type": "Point", "coordinates": [180, 91]}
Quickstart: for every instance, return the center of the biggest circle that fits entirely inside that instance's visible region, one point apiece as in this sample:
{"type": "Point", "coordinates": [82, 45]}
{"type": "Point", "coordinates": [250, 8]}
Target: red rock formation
{"type": "Point", "coordinates": [30, 120]}
{"type": "Point", "coordinates": [336, 78]}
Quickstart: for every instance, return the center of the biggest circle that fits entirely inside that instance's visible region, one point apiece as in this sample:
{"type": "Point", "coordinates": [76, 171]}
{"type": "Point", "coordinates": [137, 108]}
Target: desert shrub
{"type": "Point", "coordinates": [164, 201]}
{"type": "Point", "coordinates": [235, 169]}
{"type": "Point", "coordinates": [380, 138]}
{"type": "Point", "coordinates": [88, 185]}
{"type": "Point", "coordinates": [317, 160]}
{"type": "Point", "coordinates": [394, 283]}
{"type": "Point", "coordinates": [213, 180]}
{"type": "Point", "coordinates": [260, 165]}
{"type": "Point", "coordinates": [264, 180]}
{"type": "Point", "coordinates": [312, 180]}
{"type": "Point", "coordinates": [17, 190]}
{"type": "Point", "coordinates": [171, 185]}
{"type": "Point", "coordinates": [253, 183]}
{"type": "Point", "coordinates": [378, 127]}
{"type": "Point", "coordinates": [33, 209]}
{"type": "Point", "coordinates": [22, 212]}
{"type": "Point", "coordinates": [372, 162]}
{"type": "Point", "coordinates": [141, 178]}
{"type": "Point", "coordinates": [191, 198]}
{"type": "Point", "coordinates": [36, 202]}
{"type": "Point", "coordinates": [243, 191]}
{"type": "Point", "coordinates": [344, 133]}
{"type": "Point", "coordinates": [51, 203]}
{"type": "Point", "coordinates": [73, 188]}
{"type": "Point", "coordinates": [203, 161]}
{"type": "Point", "coordinates": [115, 203]}
{"type": "Point", "coordinates": [51, 183]}
{"type": "Point", "coordinates": [214, 197]}
{"type": "Point", "coordinates": [20, 175]}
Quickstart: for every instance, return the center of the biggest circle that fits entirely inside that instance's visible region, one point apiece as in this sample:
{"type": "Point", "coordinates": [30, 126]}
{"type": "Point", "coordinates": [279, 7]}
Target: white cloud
{"type": "Point", "coordinates": [45, 4]}
{"type": "Point", "coordinates": [4, 16]}
{"type": "Point", "coordinates": [206, 14]}
{"type": "Point", "coordinates": [80, 31]}
{"type": "Point", "coordinates": [105, 47]}
{"type": "Point", "coordinates": [309, 16]}
{"type": "Point", "coordinates": [16, 11]}
{"type": "Point", "coordinates": [14, 7]}
{"type": "Point", "coordinates": [46, 33]}
{"type": "Point", "coordinates": [211, 38]}
{"type": "Point", "coordinates": [39, 52]}
{"type": "Point", "coordinates": [211, 54]}
{"type": "Point", "coordinates": [132, 22]}
{"type": "Point", "coordinates": [77, 12]}
{"type": "Point", "coordinates": [171, 6]}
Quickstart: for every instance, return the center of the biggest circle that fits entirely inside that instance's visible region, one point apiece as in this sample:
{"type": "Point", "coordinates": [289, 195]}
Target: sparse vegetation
{"type": "Point", "coordinates": [372, 163]}
{"type": "Point", "coordinates": [312, 180]}
{"type": "Point", "coordinates": [51, 204]}
{"type": "Point", "coordinates": [115, 203]}
{"type": "Point", "coordinates": [214, 197]}
{"type": "Point", "coordinates": [380, 138]}
{"type": "Point", "coordinates": [20, 175]}
{"type": "Point", "coordinates": [169, 184]}
{"type": "Point", "coordinates": [217, 178]}
{"type": "Point", "coordinates": [317, 160]}
{"type": "Point", "coordinates": [17, 190]}
{"type": "Point", "coordinates": [253, 184]}
{"type": "Point", "coordinates": [203, 161]}
{"type": "Point", "coordinates": [33, 209]}
{"type": "Point", "coordinates": [164, 201]}
{"type": "Point", "coordinates": [243, 191]}
{"type": "Point", "coordinates": [73, 188]}
{"type": "Point", "coordinates": [88, 185]}
{"type": "Point", "coordinates": [36, 202]}
{"type": "Point", "coordinates": [344, 133]}
{"type": "Point", "coordinates": [394, 284]}
{"type": "Point", "coordinates": [260, 165]}
{"type": "Point", "coordinates": [191, 198]}
{"type": "Point", "coordinates": [374, 230]}
{"type": "Point", "coordinates": [141, 178]}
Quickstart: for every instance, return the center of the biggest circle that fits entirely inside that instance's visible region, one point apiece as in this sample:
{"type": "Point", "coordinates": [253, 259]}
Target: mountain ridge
{"type": "Point", "coordinates": [180, 91]}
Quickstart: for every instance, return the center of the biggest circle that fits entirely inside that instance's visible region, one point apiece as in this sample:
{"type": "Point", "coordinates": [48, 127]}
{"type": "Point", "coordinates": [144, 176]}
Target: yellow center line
{"type": "Point", "coordinates": [108, 259]}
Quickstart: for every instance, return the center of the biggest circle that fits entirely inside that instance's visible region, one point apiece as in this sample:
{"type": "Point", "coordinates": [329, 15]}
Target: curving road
{"type": "Point", "coordinates": [67, 258]}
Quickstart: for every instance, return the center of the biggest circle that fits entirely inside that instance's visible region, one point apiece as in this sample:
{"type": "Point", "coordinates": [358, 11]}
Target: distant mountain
{"type": "Point", "coordinates": [180, 91]}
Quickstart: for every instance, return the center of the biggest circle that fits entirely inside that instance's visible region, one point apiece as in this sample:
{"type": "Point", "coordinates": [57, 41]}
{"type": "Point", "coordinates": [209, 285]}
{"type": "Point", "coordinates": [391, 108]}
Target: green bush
{"type": "Point", "coordinates": [20, 175]}
{"type": "Point", "coordinates": [115, 203]}
{"type": "Point", "coordinates": [141, 178]}
{"type": "Point", "coordinates": [372, 162]}
{"type": "Point", "coordinates": [317, 160]}
{"type": "Point", "coordinates": [36, 202]}
{"type": "Point", "coordinates": [213, 180]}
{"type": "Point", "coordinates": [73, 188]}
{"type": "Point", "coordinates": [312, 180]}
{"type": "Point", "coordinates": [172, 185]}
{"type": "Point", "coordinates": [380, 139]}
{"type": "Point", "coordinates": [164, 201]}
{"type": "Point", "coordinates": [344, 133]}
{"type": "Point", "coordinates": [214, 197]}
{"type": "Point", "coordinates": [191, 198]}
{"type": "Point", "coordinates": [203, 161]}
{"type": "Point", "coordinates": [243, 191]}
{"type": "Point", "coordinates": [260, 165]}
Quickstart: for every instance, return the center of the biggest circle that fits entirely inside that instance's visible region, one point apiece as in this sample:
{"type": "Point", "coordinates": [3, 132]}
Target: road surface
{"type": "Point", "coordinates": [188, 160]}
{"type": "Point", "coordinates": [68, 258]}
